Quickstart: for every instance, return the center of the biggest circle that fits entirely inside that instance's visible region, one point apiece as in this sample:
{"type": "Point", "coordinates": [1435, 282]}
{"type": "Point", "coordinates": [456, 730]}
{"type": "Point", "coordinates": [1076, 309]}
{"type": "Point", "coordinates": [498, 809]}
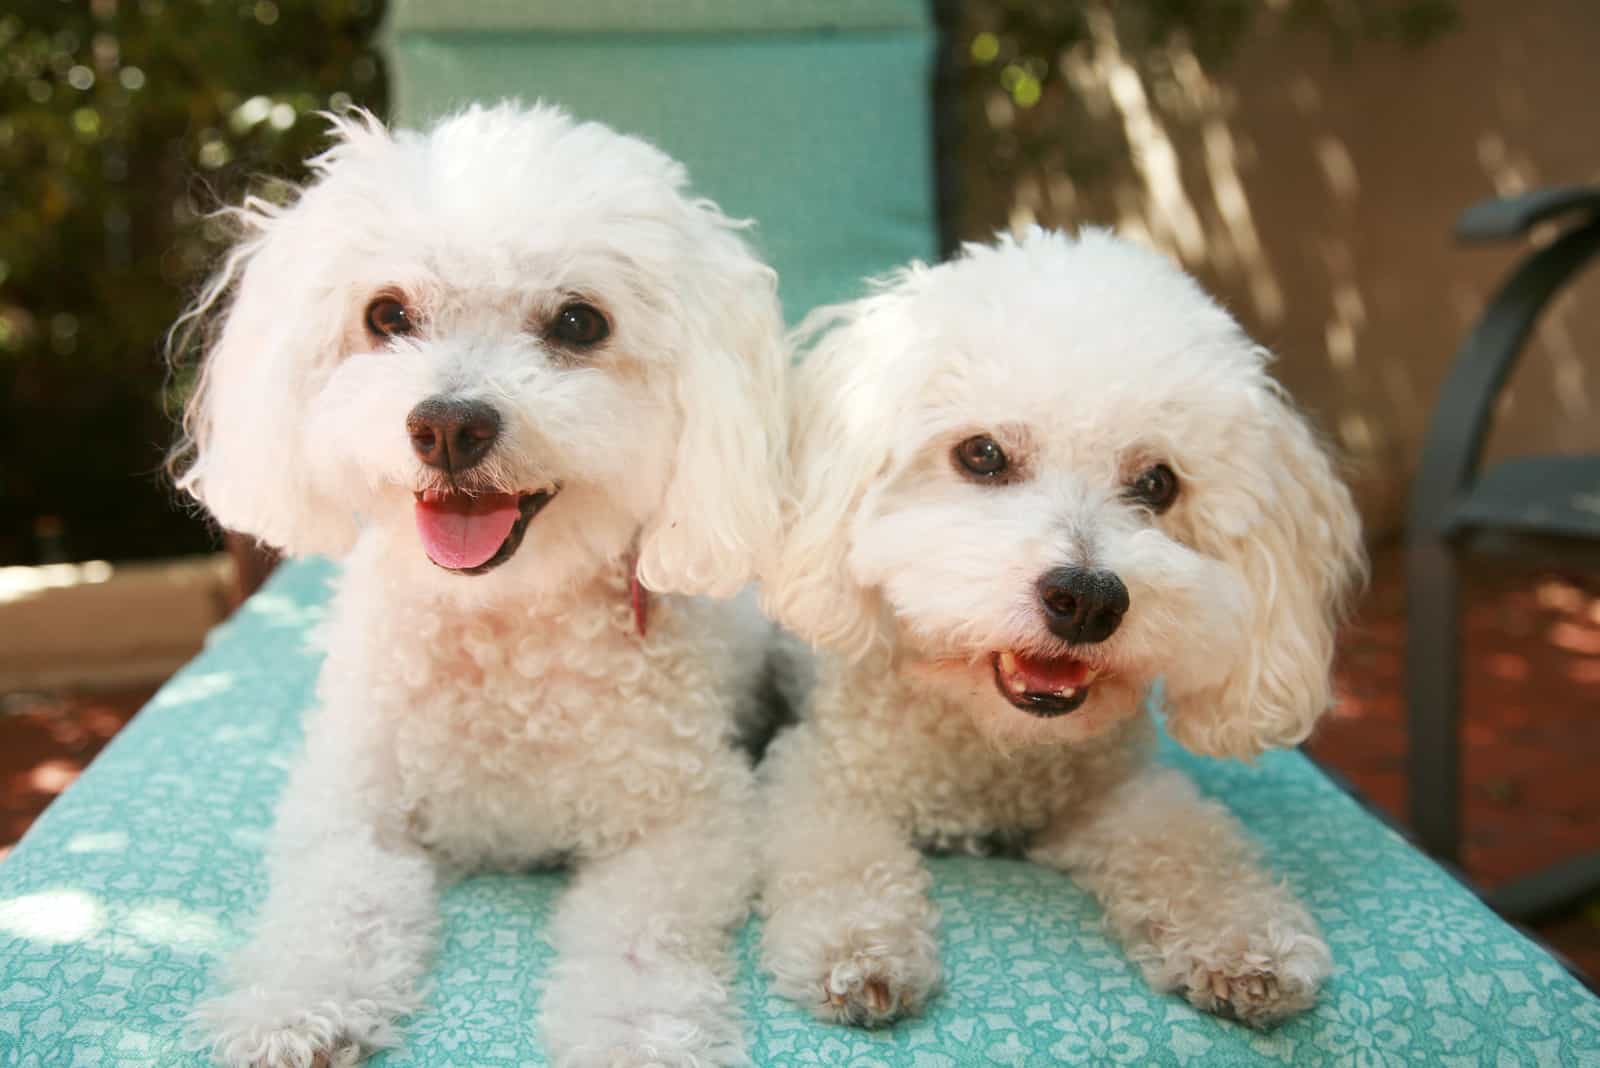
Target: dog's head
{"type": "Point", "coordinates": [1053, 471]}
{"type": "Point", "coordinates": [513, 343]}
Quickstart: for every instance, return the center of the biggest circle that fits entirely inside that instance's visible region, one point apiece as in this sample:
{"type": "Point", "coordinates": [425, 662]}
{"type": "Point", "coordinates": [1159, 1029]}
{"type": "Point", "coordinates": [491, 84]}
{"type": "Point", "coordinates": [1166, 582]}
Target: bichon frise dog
{"type": "Point", "coordinates": [1030, 483]}
{"type": "Point", "coordinates": [513, 374]}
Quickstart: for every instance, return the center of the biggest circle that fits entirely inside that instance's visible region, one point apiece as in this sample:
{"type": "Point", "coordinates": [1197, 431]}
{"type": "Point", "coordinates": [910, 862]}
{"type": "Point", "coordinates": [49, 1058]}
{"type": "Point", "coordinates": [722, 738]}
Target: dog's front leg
{"type": "Point", "coordinates": [1185, 891]}
{"type": "Point", "coordinates": [348, 926]}
{"type": "Point", "coordinates": [643, 967]}
{"type": "Point", "coordinates": [850, 930]}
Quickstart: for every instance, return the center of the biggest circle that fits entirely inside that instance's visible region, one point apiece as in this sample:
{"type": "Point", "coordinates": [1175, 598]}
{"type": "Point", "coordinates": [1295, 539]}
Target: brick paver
{"type": "Point", "coordinates": [1530, 732]}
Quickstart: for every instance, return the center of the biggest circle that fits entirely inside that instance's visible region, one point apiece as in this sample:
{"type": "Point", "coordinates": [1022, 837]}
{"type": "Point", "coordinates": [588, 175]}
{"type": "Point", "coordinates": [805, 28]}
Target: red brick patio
{"type": "Point", "coordinates": [1532, 729]}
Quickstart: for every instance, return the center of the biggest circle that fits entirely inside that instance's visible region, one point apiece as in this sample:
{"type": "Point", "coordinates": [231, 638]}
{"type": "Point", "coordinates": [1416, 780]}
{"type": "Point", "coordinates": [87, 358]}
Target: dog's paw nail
{"type": "Point", "coordinates": [1253, 997]}
{"type": "Point", "coordinates": [860, 992]}
{"type": "Point", "coordinates": [346, 1056]}
{"type": "Point", "coordinates": [876, 994]}
{"type": "Point", "coordinates": [869, 1003]}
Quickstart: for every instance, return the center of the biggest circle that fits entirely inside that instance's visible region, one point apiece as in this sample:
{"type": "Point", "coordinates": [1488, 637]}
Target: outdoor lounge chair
{"type": "Point", "coordinates": [1533, 508]}
{"type": "Point", "coordinates": [814, 118]}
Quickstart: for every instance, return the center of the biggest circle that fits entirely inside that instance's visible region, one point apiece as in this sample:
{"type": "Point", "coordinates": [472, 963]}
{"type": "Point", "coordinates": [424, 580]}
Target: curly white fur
{"type": "Point", "coordinates": [516, 717]}
{"type": "Point", "coordinates": [1089, 360]}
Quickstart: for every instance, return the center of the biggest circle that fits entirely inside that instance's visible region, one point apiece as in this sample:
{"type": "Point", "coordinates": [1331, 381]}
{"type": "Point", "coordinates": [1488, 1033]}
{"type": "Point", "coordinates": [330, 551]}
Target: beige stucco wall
{"type": "Point", "coordinates": [1316, 193]}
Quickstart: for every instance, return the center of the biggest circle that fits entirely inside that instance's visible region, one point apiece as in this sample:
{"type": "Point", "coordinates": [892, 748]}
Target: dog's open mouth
{"type": "Point", "coordinates": [471, 533]}
{"type": "Point", "coordinates": [1043, 686]}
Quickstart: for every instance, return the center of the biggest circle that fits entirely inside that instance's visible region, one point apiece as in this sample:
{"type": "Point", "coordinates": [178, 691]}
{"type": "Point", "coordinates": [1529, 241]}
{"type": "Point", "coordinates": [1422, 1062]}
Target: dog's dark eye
{"type": "Point", "coordinates": [980, 456]}
{"type": "Point", "coordinates": [579, 325]}
{"type": "Point", "coordinates": [387, 317]}
{"type": "Point", "coordinates": [1155, 488]}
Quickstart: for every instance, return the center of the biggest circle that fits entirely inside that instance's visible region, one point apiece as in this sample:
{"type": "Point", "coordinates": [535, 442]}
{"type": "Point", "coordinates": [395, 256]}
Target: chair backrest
{"type": "Point", "coordinates": [812, 117]}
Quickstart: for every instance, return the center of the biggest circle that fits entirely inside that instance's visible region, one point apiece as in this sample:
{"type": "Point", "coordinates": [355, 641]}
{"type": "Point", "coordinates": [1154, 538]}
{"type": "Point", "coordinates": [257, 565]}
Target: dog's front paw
{"type": "Point", "coordinates": [245, 1029]}
{"type": "Point", "coordinates": [1268, 981]}
{"type": "Point", "coordinates": [311, 1042]}
{"type": "Point", "coordinates": [867, 976]}
{"type": "Point", "coordinates": [875, 987]}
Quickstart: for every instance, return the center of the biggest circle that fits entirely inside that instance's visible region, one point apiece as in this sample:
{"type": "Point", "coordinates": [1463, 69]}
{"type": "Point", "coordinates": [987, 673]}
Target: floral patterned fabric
{"type": "Point", "coordinates": [117, 905]}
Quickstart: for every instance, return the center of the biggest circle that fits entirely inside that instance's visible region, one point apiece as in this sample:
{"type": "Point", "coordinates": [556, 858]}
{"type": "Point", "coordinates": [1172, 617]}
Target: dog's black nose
{"type": "Point", "coordinates": [1082, 606]}
{"type": "Point", "coordinates": [452, 435]}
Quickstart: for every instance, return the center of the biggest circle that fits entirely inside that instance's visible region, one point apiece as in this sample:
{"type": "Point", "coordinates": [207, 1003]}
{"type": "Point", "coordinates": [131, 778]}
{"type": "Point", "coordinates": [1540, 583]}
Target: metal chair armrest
{"type": "Point", "coordinates": [1460, 420]}
{"type": "Point", "coordinates": [1507, 217]}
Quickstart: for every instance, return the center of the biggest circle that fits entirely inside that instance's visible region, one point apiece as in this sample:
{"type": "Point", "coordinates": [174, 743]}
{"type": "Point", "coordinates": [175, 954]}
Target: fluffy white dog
{"type": "Point", "coordinates": [508, 370]}
{"type": "Point", "coordinates": [1030, 483]}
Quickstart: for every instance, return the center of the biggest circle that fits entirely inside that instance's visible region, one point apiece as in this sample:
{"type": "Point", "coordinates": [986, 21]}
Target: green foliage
{"type": "Point", "coordinates": [1017, 42]}
{"type": "Point", "coordinates": [122, 123]}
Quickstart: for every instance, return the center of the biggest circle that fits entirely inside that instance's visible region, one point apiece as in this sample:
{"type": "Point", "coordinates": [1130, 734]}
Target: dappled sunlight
{"type": "Point", "coordinates": [1234, 207]}
{"type": "Point", "coordinates": [110, 927]}
{"type": "Point", "coordinates": [52, 776]}
{"type": "Point", "coordinates": [193, 687]}
{"type": "Point", "coordinates": [1160, 124]}
{"type": "Point", "coordinates": [1510, 173]}
{"type": "Point", "coordinates": [253, 839]}
{"type": "Point", "coordinates": [1349, 706]}
{"type": "Point", "coordinates": [1584, 672]}
{"type": "Point", "coordinates": [1341, 331]}
{"type": "Point", "coordinates": [280, 610]}
{"type": "Point", "coordinates": [1338, 169]}
{"type": "Point", "coordinates": [54, 916]}
{"type": "Point", "coordinates": [1560, 596]}
{"type": "Point", "coordinates": [1508, 666]}
{"type": "Point", "coordinates": [168, 923]}
{"type": "Point", "coordinates": [249, 732]}
{"type": "Point", "coordinates": [1170, 216]}
{"type": "Point", "coordinates": [1355, 431]}
{"type": "Point", "coordinates": [101, 842]}
{"type": "Point", "coordinates": [21, 583]}
{"type": "Point", "coordinates": [1576, 638]}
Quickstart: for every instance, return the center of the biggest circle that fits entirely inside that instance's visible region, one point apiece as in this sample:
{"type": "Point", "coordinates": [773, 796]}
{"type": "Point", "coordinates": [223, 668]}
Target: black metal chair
{"type": "Point", "coordinates": [1536, 507]}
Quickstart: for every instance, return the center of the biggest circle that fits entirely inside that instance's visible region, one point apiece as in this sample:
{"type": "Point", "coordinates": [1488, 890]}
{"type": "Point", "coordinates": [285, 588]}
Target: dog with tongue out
{"type": "Point", "coordinates": [527, 388]}
{"type": "Point", "coordinates": [1029, 484]}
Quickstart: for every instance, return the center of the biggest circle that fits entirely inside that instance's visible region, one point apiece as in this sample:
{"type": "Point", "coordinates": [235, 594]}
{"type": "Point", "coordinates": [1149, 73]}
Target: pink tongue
{"type": "Point", "coordinates": [459, 531]}
{"type": "Point", "coordinates": [1052, 674]}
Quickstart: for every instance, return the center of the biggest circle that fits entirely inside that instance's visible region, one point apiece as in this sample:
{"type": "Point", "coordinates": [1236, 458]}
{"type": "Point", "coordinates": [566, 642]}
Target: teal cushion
{"type": "Point", "coordinates": [121, 899]}
{"type": "Point", "coordinates": [811, 118]}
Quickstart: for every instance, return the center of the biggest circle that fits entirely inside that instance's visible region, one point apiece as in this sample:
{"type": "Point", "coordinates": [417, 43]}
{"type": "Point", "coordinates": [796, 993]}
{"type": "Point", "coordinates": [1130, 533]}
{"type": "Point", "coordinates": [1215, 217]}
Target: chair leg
{"type": "Point", "coordinates": [1433, 691]}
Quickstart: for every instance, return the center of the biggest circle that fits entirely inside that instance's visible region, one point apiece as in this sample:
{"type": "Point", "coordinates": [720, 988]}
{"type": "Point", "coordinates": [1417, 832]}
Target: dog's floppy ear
{"type": "Point", "coordinates": [1300, 553]}
{"type": "Point", "coordinates": [844, 406]}
{"type": "Point", "coordinates": [718, 521]}
{"type": "Point", "coordinates": [266, 323]}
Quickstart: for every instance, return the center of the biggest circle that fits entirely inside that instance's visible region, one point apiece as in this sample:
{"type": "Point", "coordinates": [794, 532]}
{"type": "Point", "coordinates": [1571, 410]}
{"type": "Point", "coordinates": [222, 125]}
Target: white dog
{"type": "Point", "coordinates": [1030, 483]}
{"type": "Point", "coordinates": [509, 371]}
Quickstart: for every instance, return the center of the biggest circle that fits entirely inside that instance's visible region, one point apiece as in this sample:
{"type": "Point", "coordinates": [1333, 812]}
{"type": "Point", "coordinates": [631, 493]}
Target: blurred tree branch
{"type": "Point", "coordinates": [1011, 64]}
{"type": "Point", "coordinates": [122, 123]}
